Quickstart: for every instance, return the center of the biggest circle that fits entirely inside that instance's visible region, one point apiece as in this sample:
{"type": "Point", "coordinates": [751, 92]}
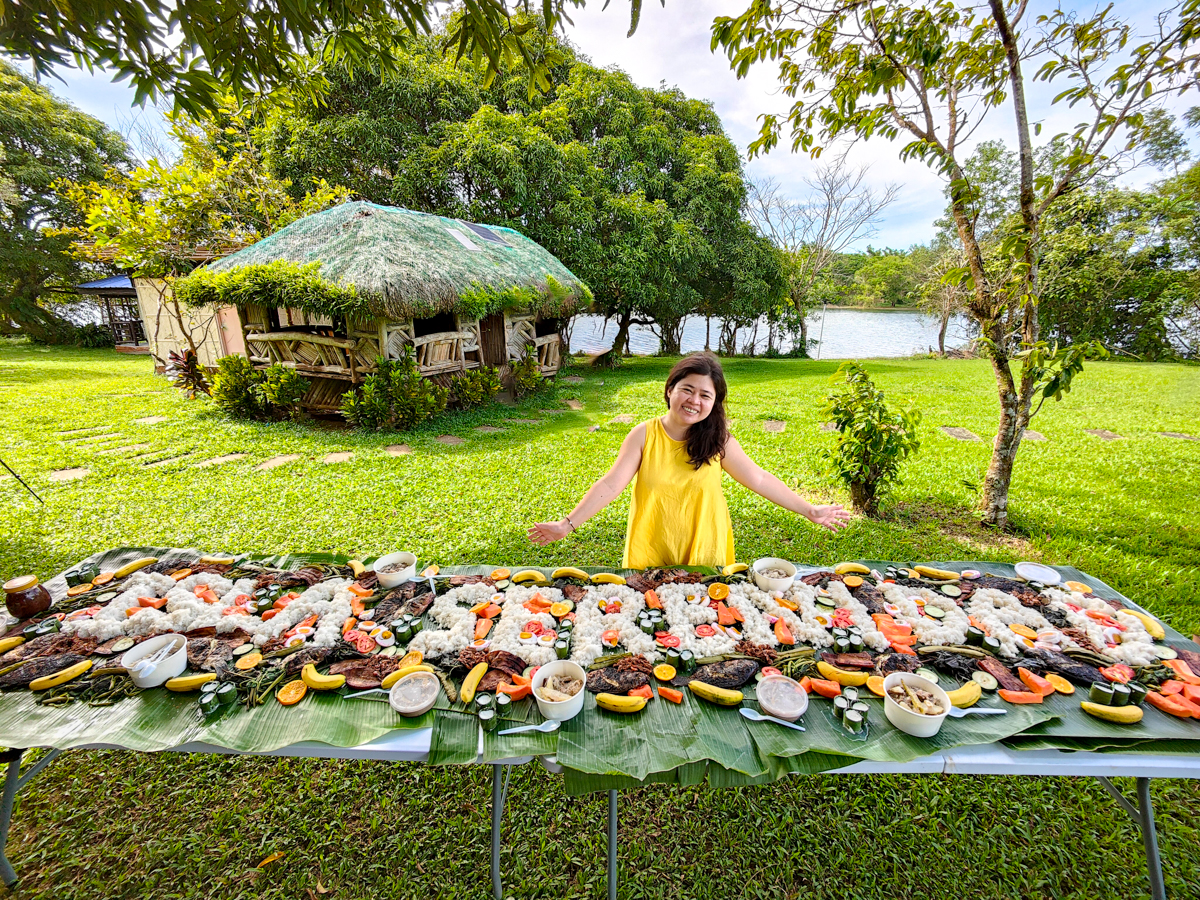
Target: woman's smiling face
{"type": "Point", "coordinates": [691, 398]}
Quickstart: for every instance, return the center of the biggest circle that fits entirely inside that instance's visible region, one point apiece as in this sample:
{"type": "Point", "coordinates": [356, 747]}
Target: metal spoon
{"type": "Point", "coordinates": [546, 727]}
{"type": "Point", "coordinates": [755, 716]}
{"type": "Point", "coordinates": [956, 713]}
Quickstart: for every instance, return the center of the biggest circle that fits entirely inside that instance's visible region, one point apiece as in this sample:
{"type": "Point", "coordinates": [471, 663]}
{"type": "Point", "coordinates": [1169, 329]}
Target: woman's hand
{"type": "Point", "coordinates": [831, 516]}
{"type": "Point", "coordinates": [544, 532]}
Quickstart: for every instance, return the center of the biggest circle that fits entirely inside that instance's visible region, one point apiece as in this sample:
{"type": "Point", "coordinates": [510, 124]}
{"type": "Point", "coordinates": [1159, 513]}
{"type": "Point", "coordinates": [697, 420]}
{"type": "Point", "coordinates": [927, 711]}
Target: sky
{"type": "Point", "coordinates": [671, 46]}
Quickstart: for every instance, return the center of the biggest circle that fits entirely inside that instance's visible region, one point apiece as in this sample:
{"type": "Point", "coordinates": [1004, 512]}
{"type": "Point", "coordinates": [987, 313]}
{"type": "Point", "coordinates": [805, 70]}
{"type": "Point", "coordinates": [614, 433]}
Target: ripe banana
{"type": "Point", "coordinates": [937, 574]}
{"type": "Point", "coordinates": [217, 560]}
{"type": "Point", "coordinates": [318, 682]}
{"type": "Point", "coordinates": [734, 569]}
{"type": "Point", "coordinates": [357, 567]}
{"type": "Point", "coordinates": [49, 681]}
{"type": "Point", "coordinates": [607, 578]}
{"type": "Point", "coordinates": [842, 676]}
{"type": "Point", "coordinates": [714, 694]}
{"type": "Point", "coordinates": [850, 568]}
{"type": "Point", "coordinates": [131, 567]}
{"type": "Point", "coordinates": [618, 704]}
{"type": "Point", "coordinates": [530, 575]}
{"type": "Point", "coordinates": [1153, 627]}
{"type": "Point", "coordinates": [569, 572]}
{"type": "Point", "coordinates": [9, 642]}
{"type": "Point", "coordinates": [1122, 715]}
{"type": "Point", "coordinates": [966, 696]}
{"type": "Point", "coordinates": [393, 677]}
{"type": "Point", "coordinates": [471, 682]}
{"type": "Point", "coordinates": [189, 682]}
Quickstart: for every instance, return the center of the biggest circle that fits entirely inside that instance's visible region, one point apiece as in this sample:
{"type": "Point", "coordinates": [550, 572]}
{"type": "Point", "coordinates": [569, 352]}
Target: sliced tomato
{"type": "Point", "coordinates": [770, 670]}
{"type": "Point", "coordinates": [1118, 673]}
{"type": "Point", "coordinates": [705, 631]}
{"type": "Point", "coordinates": [668, 640]}
{"type": "Point", "coordinates": [612, 609]}
{"type": "Point", "coordinates": [534, 627]}
{"type": "Point", "coordinates": [610, 637]}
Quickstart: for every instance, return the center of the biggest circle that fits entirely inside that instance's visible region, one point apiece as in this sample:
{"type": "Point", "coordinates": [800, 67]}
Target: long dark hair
{"type": "Point", "coordinates": [706, 439]}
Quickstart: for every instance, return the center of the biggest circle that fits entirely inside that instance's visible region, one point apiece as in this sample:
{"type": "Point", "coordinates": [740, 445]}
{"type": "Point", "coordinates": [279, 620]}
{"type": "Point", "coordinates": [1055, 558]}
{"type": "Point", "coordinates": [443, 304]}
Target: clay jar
{"type": "Point", "coordinates": [25, 597]}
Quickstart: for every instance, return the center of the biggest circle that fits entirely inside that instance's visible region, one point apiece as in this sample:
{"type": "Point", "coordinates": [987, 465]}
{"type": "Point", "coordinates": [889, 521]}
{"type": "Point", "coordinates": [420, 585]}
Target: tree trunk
{"type": "Point", "coordinates": [620, 345]}
{"type": "Point", "coordinates": [863, 498]}
{"type": "Point", "coordinates": [728, 338]}
{"type": "Point", "coordinates": [751, 346]}
{"type": "Point", "coordinates": [21, 316]}
{"type": "Point", "coordinates": [670, 336]}
{"type": "Point", "coordinates": [803, 337]}
{"type": "Point", "coordinates": [707, 333]}
{"type": "Point", "coordinates": [770, 337]}
{"type": "Point", "coordinates": [942, 333]}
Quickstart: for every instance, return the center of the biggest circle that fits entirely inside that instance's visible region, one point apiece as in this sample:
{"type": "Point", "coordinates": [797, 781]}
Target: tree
{"type": "Point", "coordinates": [930, 74]}
{"type": "Point", "coordinates": [196, 51]}
{"type": "Point", "coordinates": [892, 278]}
{"type": "Point", "coordinates": [943, 297]}
{"type": "Point", "coordinates": [159, 221]}
{"type": "Point", "coordinates": [839, 211]}
{"type": "Point", "coordinates": [43, 141]}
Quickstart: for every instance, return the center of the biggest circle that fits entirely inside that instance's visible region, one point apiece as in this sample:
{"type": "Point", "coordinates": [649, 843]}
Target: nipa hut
{"type": "Point", "coordinates": [461, 295]}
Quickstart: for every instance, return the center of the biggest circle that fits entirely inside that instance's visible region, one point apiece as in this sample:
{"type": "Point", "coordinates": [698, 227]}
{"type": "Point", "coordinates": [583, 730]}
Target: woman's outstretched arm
{"type": "Point", "coordinates": [749, 474]}
{"type": "Point", "coordinates": [600, 494]}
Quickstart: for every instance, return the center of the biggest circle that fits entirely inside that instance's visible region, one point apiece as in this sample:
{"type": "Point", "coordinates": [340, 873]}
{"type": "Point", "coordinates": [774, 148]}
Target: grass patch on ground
{"type": "Point", "coordinates": [112, 824]}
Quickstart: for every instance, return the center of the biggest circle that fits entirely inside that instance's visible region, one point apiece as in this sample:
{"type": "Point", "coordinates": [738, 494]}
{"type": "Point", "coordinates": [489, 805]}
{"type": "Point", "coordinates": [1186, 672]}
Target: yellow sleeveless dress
{"type": "Point", "coordinates": [678, 514]}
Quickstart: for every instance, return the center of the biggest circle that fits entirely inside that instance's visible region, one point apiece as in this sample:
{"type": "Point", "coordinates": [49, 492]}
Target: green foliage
{"type": "Point", "coordinates": [248, 393]}
{"type": "Point", "coordinates": [279, 284]}
{"type": "Point", "coordinates": [185, 372]}
{"type": "Point", "coordinates": [42, 141]}
{"type": "Point", "coordinates": [92, 336]}
{"type": "Point", "coordinates": [395, 396]}
{"type": "Point", "coordinates": [526, 375]}
{"type": "Point", "coordinates": [474, 387]}
{"type": "Point", "coordinates": [872, 441]}
{"type": "Point", "coordinates": [282, 389]}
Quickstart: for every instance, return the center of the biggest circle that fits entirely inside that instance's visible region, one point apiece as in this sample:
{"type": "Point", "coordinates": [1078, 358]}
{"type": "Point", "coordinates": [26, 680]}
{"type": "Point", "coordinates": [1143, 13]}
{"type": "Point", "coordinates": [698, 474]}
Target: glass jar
{"type": "Point", "coordinates": [25, 597]}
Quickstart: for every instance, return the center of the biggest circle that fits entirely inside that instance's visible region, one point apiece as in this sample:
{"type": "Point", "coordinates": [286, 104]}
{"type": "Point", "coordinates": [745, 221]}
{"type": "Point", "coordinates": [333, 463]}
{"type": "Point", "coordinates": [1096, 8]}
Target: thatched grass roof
{"type": "Point", "coordinates": [407, 264]}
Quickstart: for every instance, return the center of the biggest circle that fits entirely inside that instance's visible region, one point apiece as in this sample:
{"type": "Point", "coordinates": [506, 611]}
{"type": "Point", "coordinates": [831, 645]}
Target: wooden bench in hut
{"type": "Point", "coordinates": [460, 295]}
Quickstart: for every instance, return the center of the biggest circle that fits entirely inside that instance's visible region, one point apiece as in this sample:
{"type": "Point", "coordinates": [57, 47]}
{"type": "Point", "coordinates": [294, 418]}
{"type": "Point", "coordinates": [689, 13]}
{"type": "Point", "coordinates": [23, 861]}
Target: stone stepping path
{"type": "Point", "coordinates": [128, 448]}
{"type": "Point", "coordinates": [449, 439]}
{"type": "Point", "coordinates": [277, 461]}
{"type": "Point", "coordinates": [69, 474]}
{"type": "Point", "coordinates": [153, 454]}
{"type": "Point", "coordinates": [553, 412]}
{"type": "Point", "coordinates": [489, 429]}
{"type": "Point", "coordinates": [398, 450]}
{"type": "Point", "coordinates": [1104, 434]}
{"type": "Point", "coordinates": [82, 430]}
{"type": "Point", "coordinates": [829, 426]}
{"type": "Point", "coordinates": [525, 421]}
{"type": "Point", "coordinates": [220, 460]}
{"type": "Point", "coordinates": [339, 457]}
{"type": "Point", "coordinates": [593, 428]}
{"type": "Point", "coordinates": [574, 404]}
{"type": "Point", "coordinates": [1178, 435]}
{"type": "Point", "coordinates": [151, 420]}
{"type": "Point", "coordinates": [960, 434]}
{"type": "Point", "coordinates": [90, 438]}
{"type": "Point", "coordinates": [774, 426]}
{"type": "Point", "coordinates": [170, 459]}
{"type": "Point", "coordinates": [1033, 435]}
{"type": "Point", "coordinates": [572, 379]}
{"type": "Point", "coordinates": [623, 419]}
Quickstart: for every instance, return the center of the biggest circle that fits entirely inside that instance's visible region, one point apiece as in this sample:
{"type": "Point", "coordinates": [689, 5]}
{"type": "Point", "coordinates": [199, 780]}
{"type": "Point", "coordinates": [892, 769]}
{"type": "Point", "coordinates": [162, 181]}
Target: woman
{"type": "Point", "coordinates": [678, 514]}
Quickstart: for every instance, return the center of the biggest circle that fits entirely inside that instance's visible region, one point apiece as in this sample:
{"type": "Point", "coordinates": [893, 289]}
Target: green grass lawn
{"type": "Point", "coordinates": [111, 824]}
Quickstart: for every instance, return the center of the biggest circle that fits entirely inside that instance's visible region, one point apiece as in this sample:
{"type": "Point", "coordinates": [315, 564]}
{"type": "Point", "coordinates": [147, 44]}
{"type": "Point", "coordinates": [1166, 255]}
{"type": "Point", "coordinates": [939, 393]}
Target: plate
{"type": "Point", "coordinates": [1032, 571]}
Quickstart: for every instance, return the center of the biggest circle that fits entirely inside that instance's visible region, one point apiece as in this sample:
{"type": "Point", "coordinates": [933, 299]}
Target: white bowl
{"type": "Point", "coordinates": [562, 709]}
{"type": "Point", "coordinates": [799, 697]}
{"type": "Point", "coordinates": [773, 584]}
{"type": "Point", "coordinates": [407, 708]}
{"type": "Point", "coordinates": [395, 579]}
{"type": "Point", "coordinates": [1032, 571]}
{"type": "Point", "coordinates": [909, 722]}
{"type": "Point", "coordinates": [173, 665]}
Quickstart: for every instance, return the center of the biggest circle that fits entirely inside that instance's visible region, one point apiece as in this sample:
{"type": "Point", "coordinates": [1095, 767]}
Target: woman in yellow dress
{"type": "Point", "coordinates": [678, 514]}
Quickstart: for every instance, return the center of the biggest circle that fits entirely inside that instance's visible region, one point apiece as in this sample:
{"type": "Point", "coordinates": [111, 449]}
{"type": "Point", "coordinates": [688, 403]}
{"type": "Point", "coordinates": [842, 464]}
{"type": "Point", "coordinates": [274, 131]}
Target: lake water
{"type": "Point", "coordinates": [846, 334]}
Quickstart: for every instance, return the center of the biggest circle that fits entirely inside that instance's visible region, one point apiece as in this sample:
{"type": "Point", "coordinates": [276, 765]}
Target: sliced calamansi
{"type": "Point", "coordinates": [292, 692]}
{"type": "Point", "coordinates": [718, 591]}
{"type": "Point", "coordinates": [664, 672]}
{"type": "Point", "coordinates": [500, 574]}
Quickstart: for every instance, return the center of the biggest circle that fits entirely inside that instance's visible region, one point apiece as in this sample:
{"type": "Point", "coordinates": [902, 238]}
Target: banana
{"type": "Point", "coordinates": [842, 676]}
{"type": "Point", "coordinates": [189, 682]}
{"type": "Point", "coordinates": [1122, 715]}
{"type": "Point", "coordinates": [937, 574]}
{"type": "Point", "coordinates": [618, 704]}
{"type": "Point", "coordinates": [49, 681]}
{"type": "Point", "coordinates": [217, 560]}
{"type": "Point", "coordinates": [569, 572]}
{"type": "Point", "coordinates": [318, 682]}
{"type": "Point", "coordinates": [131, 567]}
{"type": "Point", "coordinates": [530, 575]}
{"type": "Point", "coordinates": [357, 567]}
{"type": "Point", "coordinates": [714, 694]}
{"type": "Point", "coordinates": [9, 642]}
{"type": "Point", "coordinates": [734, 569]}
{"type": "Point", "coordinates": [1153, 627]}
{"type": "Point", "coordinates": [467, 694]}
{"type": "Point", "coordinates": [393, 677]}
{"type": "Point", "coordinates": [966, 696]}
{"type": "Point", "coordinates": [848, 568]}
{"type": "Point", "coordinates": [607, 578]}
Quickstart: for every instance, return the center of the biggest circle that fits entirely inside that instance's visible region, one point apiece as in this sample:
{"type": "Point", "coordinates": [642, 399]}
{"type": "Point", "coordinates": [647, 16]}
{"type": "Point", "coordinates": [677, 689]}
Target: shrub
{"type": "Point", "coordinates": [282, 390]}
{"type": "Point", "coordinates": [872, 441]}
{"type": "Point", "coordinates": [93, 337]}
{"type": "Point", "coordinates": [396, 396]}
{"type": "Point", "coordinates": [526, 375]}
{"type": "Point", "coordinates": [186, 373]}
{"type": "Point", "coordinates": [474, 387]}
{"type": "Point", "coordinates": [246, 393]}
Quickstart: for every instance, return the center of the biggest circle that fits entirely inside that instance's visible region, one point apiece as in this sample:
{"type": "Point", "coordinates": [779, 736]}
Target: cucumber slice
{"type": "Point", "coordinates": [827, 602]}
{"type": "Point", "coordinates": [389, 651]}
{"type": "Point", "coordinates": [243, 649]}
{"type": "Point", "coordinates": [570, 604]}
{"type": "Point", "coordinates": [951, 590]}
{"type": "Point", "coordinates": [104, 598]}
{"type": "Point", "coordinates": [935, 612]}
{"type": "Point", "coordinates": [502, 584]}
{"type": "Point", "coordinates": [528, 673]}
{"type": "Point", "coordinates": [985, 680]}
{"type": "Point", "coordinates": [123, 644]}
{"type": "Point", "coordinates": [1162, 651]}
{"type": "Point", "coordinates": [926, 672]}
